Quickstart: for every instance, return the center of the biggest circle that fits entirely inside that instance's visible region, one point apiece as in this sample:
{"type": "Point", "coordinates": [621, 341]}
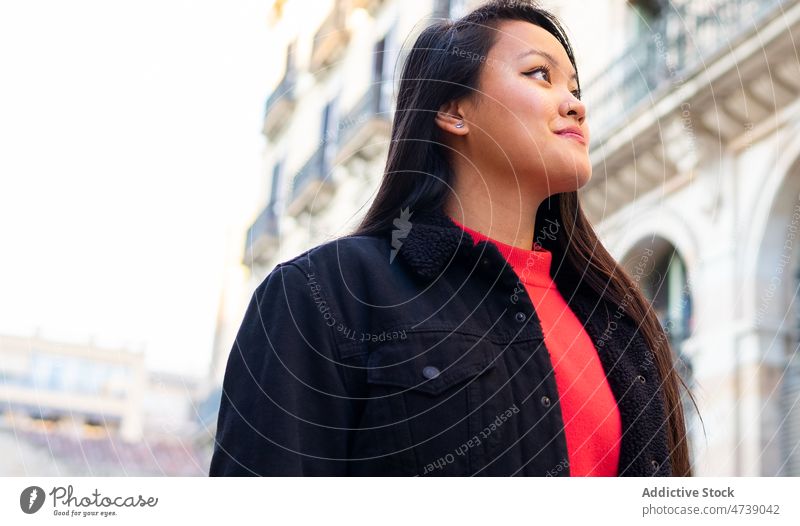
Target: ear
{"type": "Point", "coordinates": [449, 115]}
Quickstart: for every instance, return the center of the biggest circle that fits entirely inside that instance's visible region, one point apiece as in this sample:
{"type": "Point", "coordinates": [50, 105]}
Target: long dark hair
{"type": "Point", "coordinates": [418, 176]}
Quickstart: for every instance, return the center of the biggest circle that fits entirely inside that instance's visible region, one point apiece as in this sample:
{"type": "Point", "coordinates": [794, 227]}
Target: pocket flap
{"type": "Point", "coordinates": [430, 362]}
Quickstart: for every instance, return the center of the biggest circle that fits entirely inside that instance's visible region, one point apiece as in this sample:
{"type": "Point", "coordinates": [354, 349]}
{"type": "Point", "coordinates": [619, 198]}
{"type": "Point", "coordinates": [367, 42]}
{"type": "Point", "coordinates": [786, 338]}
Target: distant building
{"type": "Point", "coordinates": [72, 385]}
{"type": "Point", "coordinates": [72, 409]}
{"type": "Point", "coordinates": [169, 405]}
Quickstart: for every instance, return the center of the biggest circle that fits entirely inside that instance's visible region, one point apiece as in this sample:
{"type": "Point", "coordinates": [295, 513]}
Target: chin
{"type": "Point", "coordinates": [576, 179]}
{"type": "Point", "coordinates": [584, 177]}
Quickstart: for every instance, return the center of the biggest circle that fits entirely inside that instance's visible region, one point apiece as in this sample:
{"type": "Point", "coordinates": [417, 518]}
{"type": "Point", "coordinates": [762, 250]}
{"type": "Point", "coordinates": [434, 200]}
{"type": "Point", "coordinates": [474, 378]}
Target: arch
{"type": "Point", "coordinates": [769, 276]}
{"type": "Point", "coordinates": [778, 194]}
{"type": "Point", "coordinates": [660, 270]}
{"type": "Point", "coordinates": [664, 223]}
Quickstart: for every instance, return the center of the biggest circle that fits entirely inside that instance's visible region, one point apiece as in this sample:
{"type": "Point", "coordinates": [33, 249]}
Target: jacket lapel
{"type": "Point", "coordinates": [435, 242]}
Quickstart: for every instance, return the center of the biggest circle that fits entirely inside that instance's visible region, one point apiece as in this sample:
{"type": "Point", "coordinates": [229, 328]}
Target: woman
{"type": "Point", "coordinates": [473, 324]}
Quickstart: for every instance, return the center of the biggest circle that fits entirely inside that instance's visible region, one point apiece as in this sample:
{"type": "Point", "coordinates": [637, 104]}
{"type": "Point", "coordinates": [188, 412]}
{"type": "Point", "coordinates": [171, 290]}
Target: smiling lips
{"type": "Point", "coordinates": [573, 133]}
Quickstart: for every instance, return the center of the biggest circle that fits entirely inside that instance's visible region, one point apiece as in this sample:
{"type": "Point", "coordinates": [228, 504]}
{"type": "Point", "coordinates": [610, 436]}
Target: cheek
{"type": "Point", "coordinates": [518, 105]}
{"type": "Point", "coordinates": [531, 110]}
{"type": "Point", "coordinates": [533, 120]}
{"type": "Point", "coordinates": [515, 118]}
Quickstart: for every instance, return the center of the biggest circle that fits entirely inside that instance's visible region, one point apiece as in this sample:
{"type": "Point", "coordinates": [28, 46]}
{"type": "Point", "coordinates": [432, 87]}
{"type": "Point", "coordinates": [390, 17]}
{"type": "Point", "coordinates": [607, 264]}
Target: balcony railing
{"type": "Point", "coordinates": [372, 105]}
{"type": "Point", "coordinates": [684, 37]}
{"type": "Point", "coordinates": [330, 40]}
{"type": "Point", "coordinates": [312, 182]}
{"type": "Point", "coordinates": [280, 104]}
{"type": "Point", "coordinates": [262, 236]}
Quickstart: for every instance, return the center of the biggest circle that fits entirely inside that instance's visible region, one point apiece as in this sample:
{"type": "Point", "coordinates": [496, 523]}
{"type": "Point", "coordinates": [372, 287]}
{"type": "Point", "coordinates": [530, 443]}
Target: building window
{"type": "Point", "coordinates": [666, 288]}
{"type": "Point", "coordinates": [662, 277]}
{"type": "Point", "coordinates": [329, 135]}
{"type": "Point", "coordinates": [642, 16]}
{"type": "Point", "coordinates": [275, 192]}
{"type": "Point", "coordinates": [378, 65]}
{"type": "Point", "coordinates": [382, 72]}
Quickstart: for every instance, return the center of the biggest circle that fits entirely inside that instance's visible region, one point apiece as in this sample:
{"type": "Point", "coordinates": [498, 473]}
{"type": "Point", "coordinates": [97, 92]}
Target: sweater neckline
{"type": "Point", "coordinates": [532, 266]}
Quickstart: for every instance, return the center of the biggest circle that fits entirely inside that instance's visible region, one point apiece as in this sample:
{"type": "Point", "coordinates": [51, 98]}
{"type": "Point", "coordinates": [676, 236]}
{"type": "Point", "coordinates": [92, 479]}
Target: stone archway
{"type": "Point", "coordinates": [661, 272]}
{"type": "Point", "coordinates": [772, 273]}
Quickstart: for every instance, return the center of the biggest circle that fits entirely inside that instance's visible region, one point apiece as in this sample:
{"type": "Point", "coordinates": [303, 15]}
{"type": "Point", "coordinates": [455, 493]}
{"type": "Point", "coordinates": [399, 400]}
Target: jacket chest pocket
{"type": "Point", "coordinates": [425, 400]}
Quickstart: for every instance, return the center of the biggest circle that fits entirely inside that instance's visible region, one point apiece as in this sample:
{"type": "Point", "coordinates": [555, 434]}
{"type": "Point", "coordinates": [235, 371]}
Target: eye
{"type": "Point", "coordinates": [545, 69]}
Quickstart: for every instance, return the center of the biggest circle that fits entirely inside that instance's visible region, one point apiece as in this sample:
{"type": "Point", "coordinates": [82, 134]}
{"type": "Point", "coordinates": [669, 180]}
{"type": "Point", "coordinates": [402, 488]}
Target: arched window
{"type": "Point", "coordinates": [668, 291]}
{"type": "Point", "coordinates": [662, 276]}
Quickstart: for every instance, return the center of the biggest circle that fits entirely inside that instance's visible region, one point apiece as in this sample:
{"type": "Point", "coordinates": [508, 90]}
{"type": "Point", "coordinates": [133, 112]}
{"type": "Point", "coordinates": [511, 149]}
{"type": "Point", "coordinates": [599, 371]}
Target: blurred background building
{"type": "Point", "coordinates": [71, 409]}
{"type": "Point", "coordinates": [694, 113]}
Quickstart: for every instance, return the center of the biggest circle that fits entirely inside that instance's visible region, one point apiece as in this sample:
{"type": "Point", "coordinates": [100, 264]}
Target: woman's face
{"type": "Point", "coordinates": [527, 96]}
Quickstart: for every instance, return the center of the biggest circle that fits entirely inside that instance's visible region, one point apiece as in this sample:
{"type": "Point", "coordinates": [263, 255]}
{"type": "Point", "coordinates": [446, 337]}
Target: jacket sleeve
{"type": "Point", "coordinates": [284, 408]}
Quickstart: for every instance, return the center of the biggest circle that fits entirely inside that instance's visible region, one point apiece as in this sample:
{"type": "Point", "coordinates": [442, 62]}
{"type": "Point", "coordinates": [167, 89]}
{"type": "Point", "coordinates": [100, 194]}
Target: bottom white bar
{"type": "Point", "coordinates": [400, 501]}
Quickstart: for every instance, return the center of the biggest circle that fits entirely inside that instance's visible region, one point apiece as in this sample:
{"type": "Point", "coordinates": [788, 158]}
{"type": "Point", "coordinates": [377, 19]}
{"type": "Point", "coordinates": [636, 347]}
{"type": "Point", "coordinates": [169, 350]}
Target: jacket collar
{"type": "Point", "coordinates": [434, 242]}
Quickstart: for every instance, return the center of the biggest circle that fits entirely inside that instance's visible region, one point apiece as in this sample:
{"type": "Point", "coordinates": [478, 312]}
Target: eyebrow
{"type": "Point", "coordinates": [546, 55]}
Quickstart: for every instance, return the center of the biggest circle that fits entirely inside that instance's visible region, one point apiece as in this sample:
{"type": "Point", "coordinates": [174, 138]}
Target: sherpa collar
{"type": "Point", "coordinates": [435, 242]}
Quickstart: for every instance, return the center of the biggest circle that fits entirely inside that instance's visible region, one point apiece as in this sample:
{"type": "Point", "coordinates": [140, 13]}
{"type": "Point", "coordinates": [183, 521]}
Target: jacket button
{"type": "Point", "coordinates": [654, 464]}
{"type": "Point", "coordinates": [642, 380]}
{"type": "Point", "coordinates": [430, 372]}
{"type": "Point", "coordinates": [546, 401]}
{"type": "Point", "coordinates": [485, 262]}
{"type": "Point", "coordinates": [520, 316]}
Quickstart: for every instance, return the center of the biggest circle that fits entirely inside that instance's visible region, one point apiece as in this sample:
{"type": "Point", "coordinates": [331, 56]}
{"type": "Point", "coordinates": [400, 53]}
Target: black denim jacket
{"type": "Point", "coordinates": [418, 353]}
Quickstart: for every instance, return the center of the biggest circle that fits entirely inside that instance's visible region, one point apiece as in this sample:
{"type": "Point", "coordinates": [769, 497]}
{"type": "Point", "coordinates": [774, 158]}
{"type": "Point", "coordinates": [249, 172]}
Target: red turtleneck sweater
{"type": "Point", "coordinates": [592, 422]}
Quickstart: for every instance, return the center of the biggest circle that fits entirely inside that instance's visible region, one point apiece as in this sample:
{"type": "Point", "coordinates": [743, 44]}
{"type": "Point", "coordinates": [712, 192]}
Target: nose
{"type": "Point", "coordinates": [573, 107]}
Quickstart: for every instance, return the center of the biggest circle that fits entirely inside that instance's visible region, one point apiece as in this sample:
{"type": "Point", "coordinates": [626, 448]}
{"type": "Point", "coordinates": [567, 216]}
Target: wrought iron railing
{"type": "Point", "coordinates": [266, 225]}
{"type": "Point", "coordinates": [373, 104]}
{"type": "Point", "coordinates": [684, 37]}
{"type": "Point", "coordinates": [313, 170]}
{"type": "Point", "coordinates": [283, 91]}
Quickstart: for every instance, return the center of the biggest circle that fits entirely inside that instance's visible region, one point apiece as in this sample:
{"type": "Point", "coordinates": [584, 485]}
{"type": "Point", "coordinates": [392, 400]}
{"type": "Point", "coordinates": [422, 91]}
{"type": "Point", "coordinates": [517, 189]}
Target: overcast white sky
{"type": "Point", "coordinates": [130, 149]}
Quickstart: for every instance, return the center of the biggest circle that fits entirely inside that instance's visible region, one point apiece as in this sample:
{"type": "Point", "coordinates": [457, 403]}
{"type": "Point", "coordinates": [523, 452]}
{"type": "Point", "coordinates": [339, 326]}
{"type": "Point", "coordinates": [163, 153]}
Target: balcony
{"type": "Point", "coordinates": [262, 237]}
{"type": "Point", "coordinates": [330, 40]}
{"type": "Point", "coordinates": [366, 128]}
{"type": "Point", "coordinates": [705, 75]}
{"type": "Point", "coordinates": [280, 105]}
{"type": "Point", "coordinates": [312, 186]}
{"type": "Point", "coordinates": [683, 39]}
